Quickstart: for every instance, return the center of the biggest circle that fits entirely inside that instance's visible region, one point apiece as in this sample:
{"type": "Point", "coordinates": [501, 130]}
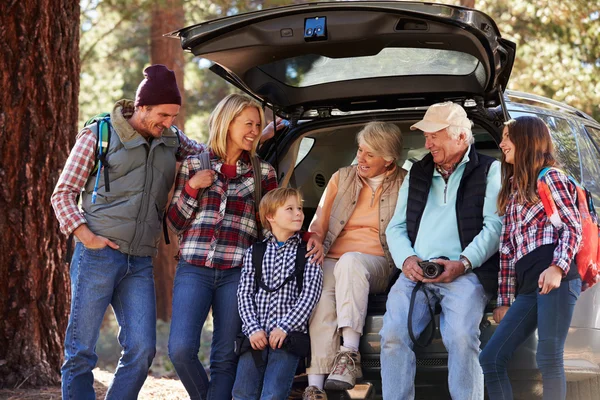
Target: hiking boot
{"type": "Point", "coordinates": [313, 393]}
{"type": "Point", "coordinates": [346, 370]}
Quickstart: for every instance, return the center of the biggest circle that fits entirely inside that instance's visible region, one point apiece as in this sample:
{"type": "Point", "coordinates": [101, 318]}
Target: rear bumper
{"type": "Point", "coordinates": [582, 354]}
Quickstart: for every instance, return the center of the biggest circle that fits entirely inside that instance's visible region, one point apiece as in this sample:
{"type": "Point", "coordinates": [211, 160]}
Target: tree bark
{"type": "Point", "coordinates": [167, 16]}
{"type": "Point", "coordinates": [39, 85]}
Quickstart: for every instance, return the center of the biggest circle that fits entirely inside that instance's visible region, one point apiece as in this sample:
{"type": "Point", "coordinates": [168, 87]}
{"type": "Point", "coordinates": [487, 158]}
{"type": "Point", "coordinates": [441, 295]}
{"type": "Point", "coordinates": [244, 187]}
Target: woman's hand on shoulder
{"type": "Point", "coordinates": [499, 313]}
{"type": "Point", "coordinates": [269, 131]}
{"type": "Point", "coordinates": [550, 279]}
{"type": "Point", "coordinates": [202, 179]}
{"type": "Point", "coordinates": [315, 250]}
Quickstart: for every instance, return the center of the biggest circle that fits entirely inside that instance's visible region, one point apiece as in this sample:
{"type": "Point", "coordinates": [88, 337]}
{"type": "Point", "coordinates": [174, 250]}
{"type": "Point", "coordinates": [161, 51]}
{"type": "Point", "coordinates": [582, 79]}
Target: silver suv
{"type": "Point", "coordinates": [329, 68]}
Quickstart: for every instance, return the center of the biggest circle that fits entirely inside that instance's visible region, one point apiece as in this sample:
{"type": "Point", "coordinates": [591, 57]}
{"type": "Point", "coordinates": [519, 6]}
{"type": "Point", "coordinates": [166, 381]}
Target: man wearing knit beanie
{"type": "Point", "coordinates": [158, 87]}
{"type": "Point", "coordinates": [157, 102]}
{"type": "Point", "coordinates": [118, 230]}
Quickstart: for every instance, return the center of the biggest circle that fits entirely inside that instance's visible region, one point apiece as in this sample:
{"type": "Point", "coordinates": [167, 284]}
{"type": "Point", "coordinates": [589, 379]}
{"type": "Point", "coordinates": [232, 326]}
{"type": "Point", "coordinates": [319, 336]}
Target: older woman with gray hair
{"type": "Point", "coordinates": [350, 221]}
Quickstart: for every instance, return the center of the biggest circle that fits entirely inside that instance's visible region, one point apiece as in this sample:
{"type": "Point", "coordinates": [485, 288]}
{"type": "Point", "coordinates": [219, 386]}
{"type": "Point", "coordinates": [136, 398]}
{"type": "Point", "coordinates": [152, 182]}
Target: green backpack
{"type": "Point", "coordinates": [101, 163]}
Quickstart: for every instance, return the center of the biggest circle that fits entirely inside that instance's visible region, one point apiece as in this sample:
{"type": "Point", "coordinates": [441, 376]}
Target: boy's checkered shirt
{"type": "Point", "coordinates": [285, 308]}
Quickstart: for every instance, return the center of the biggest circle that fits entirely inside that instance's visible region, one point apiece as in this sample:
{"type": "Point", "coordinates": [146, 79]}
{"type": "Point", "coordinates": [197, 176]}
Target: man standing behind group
{"type": "Point", "coordinates": [117, 233]}
{"type": "Point", "coordinates": [446, 207]}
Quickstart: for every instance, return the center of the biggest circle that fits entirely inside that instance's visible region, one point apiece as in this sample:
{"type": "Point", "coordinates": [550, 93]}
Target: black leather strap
{"type": "Point", "coordinates": [427, 335]}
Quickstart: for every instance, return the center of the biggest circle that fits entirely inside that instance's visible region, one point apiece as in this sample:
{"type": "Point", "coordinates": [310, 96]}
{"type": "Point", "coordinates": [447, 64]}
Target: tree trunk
{"type": "Point", "coordinates": [467, 3]}
{"type": "Point", "coordinates": [39, 85]}
{"type": "Point", "coordinates": [167, 16]}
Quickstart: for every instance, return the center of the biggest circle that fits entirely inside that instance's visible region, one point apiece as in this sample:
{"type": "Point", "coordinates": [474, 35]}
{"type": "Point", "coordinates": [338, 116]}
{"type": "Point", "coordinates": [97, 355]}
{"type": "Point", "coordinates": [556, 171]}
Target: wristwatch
{"type": "Point", "coordinates": [465, 261]}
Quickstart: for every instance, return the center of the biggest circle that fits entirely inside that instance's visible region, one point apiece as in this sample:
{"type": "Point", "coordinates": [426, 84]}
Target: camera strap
{"type": "Point", "coordinates": [426, 336]}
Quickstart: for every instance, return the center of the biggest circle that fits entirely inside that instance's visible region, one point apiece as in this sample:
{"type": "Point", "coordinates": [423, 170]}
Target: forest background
{"type": "Point", "coordinates": [108, 43]}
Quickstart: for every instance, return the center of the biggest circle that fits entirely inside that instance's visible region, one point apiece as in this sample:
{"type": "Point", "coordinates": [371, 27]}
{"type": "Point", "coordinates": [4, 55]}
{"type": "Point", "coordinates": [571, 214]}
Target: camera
{"type": "Point", "coordinates": [432, 270]}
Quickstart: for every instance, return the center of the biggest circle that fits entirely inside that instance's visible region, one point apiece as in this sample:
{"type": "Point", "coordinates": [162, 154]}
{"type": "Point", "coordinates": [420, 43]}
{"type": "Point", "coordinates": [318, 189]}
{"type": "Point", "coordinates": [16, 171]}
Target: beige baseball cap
{"type": "Point", "coordinates": [443, 115]}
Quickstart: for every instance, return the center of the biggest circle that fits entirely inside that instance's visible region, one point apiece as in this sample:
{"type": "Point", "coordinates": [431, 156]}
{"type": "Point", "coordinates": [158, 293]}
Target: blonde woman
{"type": "Point", "coordinates": [213, 212]}
{"type": "Point", "coordinates": [350, 221]}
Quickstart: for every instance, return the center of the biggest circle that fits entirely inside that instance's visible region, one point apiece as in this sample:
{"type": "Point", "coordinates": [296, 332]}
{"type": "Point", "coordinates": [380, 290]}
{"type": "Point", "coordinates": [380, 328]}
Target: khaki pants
{"type": "Point", "coordinates": [347, 283]}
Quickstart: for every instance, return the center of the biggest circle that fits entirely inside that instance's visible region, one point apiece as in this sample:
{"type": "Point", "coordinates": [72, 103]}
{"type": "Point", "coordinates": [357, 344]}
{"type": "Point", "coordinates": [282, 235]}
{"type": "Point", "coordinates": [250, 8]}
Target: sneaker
{"type": "Point", "coordinates": [313, 393]}
{"type": "Point", "coordinates": [346, 370]}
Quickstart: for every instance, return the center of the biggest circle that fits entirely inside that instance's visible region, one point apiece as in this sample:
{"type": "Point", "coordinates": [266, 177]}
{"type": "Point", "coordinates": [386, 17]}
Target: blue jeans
{"type": "Point", "coordinates": [196, 290]}
{"type": "Point", "coordinates": [551, 315]}
{"type": "Point", "coordinates": [272, 381]}
{"type": "Point", "coordinates": [463, 303]}
{"type": "Point", "coordinates": [99, 278]}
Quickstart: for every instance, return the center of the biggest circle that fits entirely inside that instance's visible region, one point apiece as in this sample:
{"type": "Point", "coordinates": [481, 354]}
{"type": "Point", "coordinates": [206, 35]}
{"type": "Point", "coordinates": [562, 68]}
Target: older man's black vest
{"type": "Point", "coordinates": [469, 207]}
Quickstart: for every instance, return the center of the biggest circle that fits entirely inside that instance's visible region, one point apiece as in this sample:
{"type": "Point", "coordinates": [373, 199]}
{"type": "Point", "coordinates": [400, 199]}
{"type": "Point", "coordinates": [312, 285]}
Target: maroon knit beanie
{"type": "Point", "coordinates": [158, 87]}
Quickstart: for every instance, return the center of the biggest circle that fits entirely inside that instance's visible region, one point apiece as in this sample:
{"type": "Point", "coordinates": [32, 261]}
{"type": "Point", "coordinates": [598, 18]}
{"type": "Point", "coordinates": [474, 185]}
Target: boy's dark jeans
{"type": "Point", "coordinates": [551, 315]}
{"type": "Point", "coordinates": [272, 380]}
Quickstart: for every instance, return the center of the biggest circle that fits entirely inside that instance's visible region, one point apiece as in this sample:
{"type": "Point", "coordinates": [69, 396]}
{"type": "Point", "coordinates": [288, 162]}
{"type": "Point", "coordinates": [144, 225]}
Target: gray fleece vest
{"type": "Point", "coordinates": [141, 175]}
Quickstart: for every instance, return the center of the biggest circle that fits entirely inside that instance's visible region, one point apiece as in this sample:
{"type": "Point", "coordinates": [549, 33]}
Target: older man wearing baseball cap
{"type": "Point", "coordinates": [118, 229]}
{"type": "Point", "coordinates": [446, 208]}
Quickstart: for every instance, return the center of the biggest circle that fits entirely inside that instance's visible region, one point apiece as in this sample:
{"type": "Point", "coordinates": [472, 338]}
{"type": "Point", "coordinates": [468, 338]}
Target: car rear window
{"type": "Point", "coordinates": [311, 69]}
{"type": "Point", "coordinates": [565, 142]}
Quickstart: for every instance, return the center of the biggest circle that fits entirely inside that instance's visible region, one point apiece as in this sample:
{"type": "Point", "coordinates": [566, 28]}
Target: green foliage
{"type": "Point", "coordinates": [115, 40]}
{"type": "Point", "coordinates": [558, 48]}
{"type": "Point", "coordinates": [558, 45]}
{"type": "Point", "coordinates": [114, 49]}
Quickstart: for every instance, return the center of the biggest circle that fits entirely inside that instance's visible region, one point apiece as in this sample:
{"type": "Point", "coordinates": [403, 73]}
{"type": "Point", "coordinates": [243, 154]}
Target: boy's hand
{"type": "Point", "coordinates": [258, 340]}
{"type": "Point", "coordinates": [276, 338]}
{"type": "Point", "coordinates": [315, 250]}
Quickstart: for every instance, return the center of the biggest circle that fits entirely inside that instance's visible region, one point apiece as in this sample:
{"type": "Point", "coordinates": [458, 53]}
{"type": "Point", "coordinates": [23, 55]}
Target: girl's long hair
{"type": "Point", "coordinates": [533, 151]}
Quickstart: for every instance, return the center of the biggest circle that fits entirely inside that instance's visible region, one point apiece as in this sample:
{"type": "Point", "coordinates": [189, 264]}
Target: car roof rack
{"type": "Point", "coordinates": [544, 102]}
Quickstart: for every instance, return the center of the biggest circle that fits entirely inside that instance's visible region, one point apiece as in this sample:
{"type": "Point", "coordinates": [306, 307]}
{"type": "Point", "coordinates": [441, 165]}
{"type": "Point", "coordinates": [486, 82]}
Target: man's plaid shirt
{"type": "Point", "coordinates": [284, 309]}
{"type": "Point", "coordinates": [218, 224]}
{"type": "Point", "coordinates": [78, 168]}
{"type": "Point", "coordinates": [527, 227]}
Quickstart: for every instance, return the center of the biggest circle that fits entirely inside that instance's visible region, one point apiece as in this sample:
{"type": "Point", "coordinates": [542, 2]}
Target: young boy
{"type": "Point", "coordinates": [273, 309]}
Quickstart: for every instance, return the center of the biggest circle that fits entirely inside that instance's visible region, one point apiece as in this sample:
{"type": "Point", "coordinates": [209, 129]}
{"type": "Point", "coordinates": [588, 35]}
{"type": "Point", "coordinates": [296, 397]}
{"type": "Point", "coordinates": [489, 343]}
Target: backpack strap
{"type": "Point", "coordinates": [104, 132]}
{"type": "Point", "coordinates": [300, 265]}
{"type": "Point", "coordinates": [257, 169]}
{"type": "Point", "coordinates": [204, 164]}
{"type": "Point", "coordinates": [204, 160]}
{"type": "Point", "coordinates": [544, 171]}
{"type": "Point", "coordinates": [258, 254]}
{"type": "Point", "coordinates": [547, 199]}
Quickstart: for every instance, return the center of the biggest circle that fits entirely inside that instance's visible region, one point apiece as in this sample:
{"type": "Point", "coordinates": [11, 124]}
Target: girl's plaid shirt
{"type": "Point", "coordinates": [527, 227]}
{"type": "Point", "coordinates": [285, 309]}
{"type": "Point", "coordinates": [217, 225]}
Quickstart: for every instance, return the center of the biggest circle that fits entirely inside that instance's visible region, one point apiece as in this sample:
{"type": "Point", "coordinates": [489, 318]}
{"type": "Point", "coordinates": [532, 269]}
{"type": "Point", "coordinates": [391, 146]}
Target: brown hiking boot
{"type": "Point", "coordinates": [313, 393]}
{"type": "Point", "coordinates": [346, 370]}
